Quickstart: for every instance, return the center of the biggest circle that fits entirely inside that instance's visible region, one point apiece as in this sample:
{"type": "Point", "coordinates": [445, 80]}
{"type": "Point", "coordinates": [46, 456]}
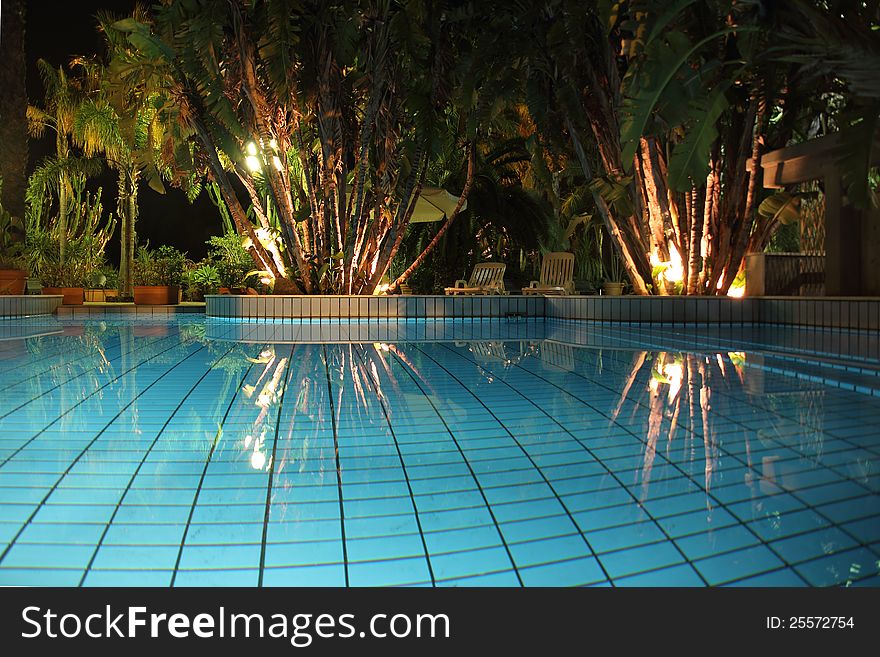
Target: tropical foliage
{"type": "Point", "coordinates": [332, 140]}
{"type": "Point", "coordinates": [13, 106]}
{"type": "Point", "coordinates": [11, 238]}
{"type": "Point", "coordinates": [629, 133]}
{"type": "Point", "coordinates": [84, 237]}
{"type": "Point", "coordinates": [667, 108]}
{"type": "Point", "coordinates": [162, 266]}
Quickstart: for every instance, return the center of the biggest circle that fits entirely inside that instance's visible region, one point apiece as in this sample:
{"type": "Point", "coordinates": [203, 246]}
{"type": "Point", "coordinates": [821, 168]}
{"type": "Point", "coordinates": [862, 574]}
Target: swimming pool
{"type": "Point", "coordinates": [187, 451]}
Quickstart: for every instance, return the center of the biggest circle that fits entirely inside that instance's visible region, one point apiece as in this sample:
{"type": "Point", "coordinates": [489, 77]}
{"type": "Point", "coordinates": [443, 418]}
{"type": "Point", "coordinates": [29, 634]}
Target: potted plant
{"type": "Point", "coordinates": [68, 278]}
{"type": "Point", "coordinates": [13, 276]}
{"type": "Point", "coordinates": [157, 276]}
{"type": "Point", "coordinates": [65, 281]}
{"type": "Point", "coordinates": [613, 285]}
{"type": "Point", "coordinates": [204, 279]}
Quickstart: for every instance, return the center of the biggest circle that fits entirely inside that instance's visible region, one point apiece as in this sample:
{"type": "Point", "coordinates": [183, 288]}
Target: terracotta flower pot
{"type": "Point", "coordinates": [99, 295]}
{"type": "Point", "coordinates": [73, 296]}
{"type": "Point", "coordinates": [156, 295]}
{"type": "Point", "coordinates": [612, 289]}
{"type": "Point", "coordinates": [12, 281]}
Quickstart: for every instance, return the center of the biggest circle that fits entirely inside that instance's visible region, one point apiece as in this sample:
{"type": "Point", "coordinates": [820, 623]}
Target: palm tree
{"type": "Point", "coordinates": [13, 106]}
{"type": "Point", "coordinates": [57, 177]}
{"type": "Point", "coordinates": [122, 124]}
{"type": "Point", "coordinates": [666, 108]}
{"type": "Point", "coordinates": [324, 112]}
{"type": "Point", "coordinates": [127, 139]}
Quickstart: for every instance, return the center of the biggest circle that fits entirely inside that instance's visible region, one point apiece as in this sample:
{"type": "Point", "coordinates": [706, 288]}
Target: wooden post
{"type": "Point", "coordinates": [842, 249]}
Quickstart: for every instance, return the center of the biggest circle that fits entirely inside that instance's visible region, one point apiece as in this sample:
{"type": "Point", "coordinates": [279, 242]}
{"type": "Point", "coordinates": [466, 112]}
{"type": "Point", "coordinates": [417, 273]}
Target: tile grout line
{"type": "Point", "coordinates": [338, 465]}
{"type": "Point", "coordinates": [195, 501]}
{"type": "Point", "coordinates": [406, 368]}
{"type": "Point", "coordinates": [403, 467]}
{"type": "Point", "coordinates": [272, 464]}
{"type": "Point", "coordinates": [82, 453]}
{"type": "Point", "coordinates": [531, 460]}
{"type": "Point", "coordinates": [138, 469]}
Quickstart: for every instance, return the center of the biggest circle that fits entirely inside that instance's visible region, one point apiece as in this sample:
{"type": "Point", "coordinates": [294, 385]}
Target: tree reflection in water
{"type": "Point", "coordinates": [679, 383]}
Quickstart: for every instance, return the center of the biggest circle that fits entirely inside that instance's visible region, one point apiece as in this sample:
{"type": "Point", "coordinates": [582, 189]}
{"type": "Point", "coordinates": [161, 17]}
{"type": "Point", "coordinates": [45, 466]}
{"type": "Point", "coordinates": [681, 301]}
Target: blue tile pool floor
{"type": "Point", "coordinates": [189, 452]}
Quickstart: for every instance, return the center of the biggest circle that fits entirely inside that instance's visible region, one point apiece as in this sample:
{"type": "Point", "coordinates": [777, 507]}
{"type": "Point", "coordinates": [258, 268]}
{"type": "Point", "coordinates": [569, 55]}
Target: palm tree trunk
{"type": "Point", "coordinates": [64, 190]}
{"type": "Point", "coordinates": [124, 228]}
{"type": "Point", "coordinates": [455, 212]}
{"type": "Point", "coordinates": [13, 107]}
{"type": "Point", "coordinates": [622, 242]}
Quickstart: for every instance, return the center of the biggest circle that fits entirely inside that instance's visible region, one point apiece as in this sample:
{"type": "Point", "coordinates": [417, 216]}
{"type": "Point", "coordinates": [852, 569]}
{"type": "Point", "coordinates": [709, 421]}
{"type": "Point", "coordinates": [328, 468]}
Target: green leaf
{"type": "Point", "coordinates": [131, 25]}
{"type": "Point", "coordinates": [155, 180]}
{"type": "Point", "coordinates": [575, 222]}
{"type": "Point", "coordinates": [782, 207]}
{"type": "Point", "coordinates": [659, 24]}
{"type": "Point", "coordinates": [662, 62]}
{"type": "Point", "coordinates": [689, 162]}
{"type": "Point", "coordinates": [150, 46]}
{"type": "Point", "coordinates": [658, 377]}
{"type": "Point", "coordinates": [615, 193]}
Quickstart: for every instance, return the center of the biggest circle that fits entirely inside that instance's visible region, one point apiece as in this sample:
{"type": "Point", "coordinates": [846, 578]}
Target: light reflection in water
{"type": "Point", "coordinates": [679, 390]}
{"type": "Point", "coordinates": [737, 432]}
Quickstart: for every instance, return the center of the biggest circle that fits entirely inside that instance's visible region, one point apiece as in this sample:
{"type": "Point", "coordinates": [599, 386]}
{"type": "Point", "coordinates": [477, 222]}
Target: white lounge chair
{"type": "Point", "coordinates": [487, 278]}
{"type": "Point", "coordinates": [557, 275]}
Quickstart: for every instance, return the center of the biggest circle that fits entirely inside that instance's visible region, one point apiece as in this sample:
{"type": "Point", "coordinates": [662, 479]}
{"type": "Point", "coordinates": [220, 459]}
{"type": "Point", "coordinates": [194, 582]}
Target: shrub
{"type": "Point", "coordinates": [231, 259]}
{"type": "Point", "coordinates": [164, 266]}
{"type": "Point", "coordinates": [204, 279]}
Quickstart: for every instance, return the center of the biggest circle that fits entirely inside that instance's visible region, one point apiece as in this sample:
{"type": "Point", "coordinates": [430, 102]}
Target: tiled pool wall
{"type": "Point", "coordinates": [22, 305]}
{"type": "Point", "coordinates": [844, 313]}
{"type": "Point", "coordinates": [847, 313]}
{"type": "Point", "coordinates": [823, 312]}
{"type": "Point", "coordinates": [373, 307]}
{"type": "Point", "coordinates": [655, 310]}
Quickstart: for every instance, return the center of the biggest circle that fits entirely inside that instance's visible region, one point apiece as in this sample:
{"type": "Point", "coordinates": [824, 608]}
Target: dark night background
{"type": "Point", "coordinates": [55, 31]}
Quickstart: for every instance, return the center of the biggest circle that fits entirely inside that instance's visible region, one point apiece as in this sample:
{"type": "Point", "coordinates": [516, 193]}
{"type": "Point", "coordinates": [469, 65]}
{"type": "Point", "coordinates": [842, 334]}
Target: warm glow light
{"type": "Point", "coordinates": [258, 460]}
{"type": "Point", "coordinates": [383, 288]}
{"type": "Point", "coordinates": [673, 269]}
{"type": "Point", "coordinates": [251, 148]}
{"type": "Point", "coordinates": [276, 161]}
{"type": "Point", "coordinates": [736, 292]}
{"type": "Point", "coordinates": [273, 145]}
{"type": "Point", "coordinates": [270, 243]}
{"type": "Point", "coordinates": [253, 163]}
{"type": "Point", "coordinates": [674, 373]}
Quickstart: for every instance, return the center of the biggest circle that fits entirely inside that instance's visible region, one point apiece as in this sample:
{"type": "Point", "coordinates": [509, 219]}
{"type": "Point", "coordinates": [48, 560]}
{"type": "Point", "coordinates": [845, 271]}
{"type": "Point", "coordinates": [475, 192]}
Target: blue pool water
{"type": "Point", "coordinates": [513, 453]}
